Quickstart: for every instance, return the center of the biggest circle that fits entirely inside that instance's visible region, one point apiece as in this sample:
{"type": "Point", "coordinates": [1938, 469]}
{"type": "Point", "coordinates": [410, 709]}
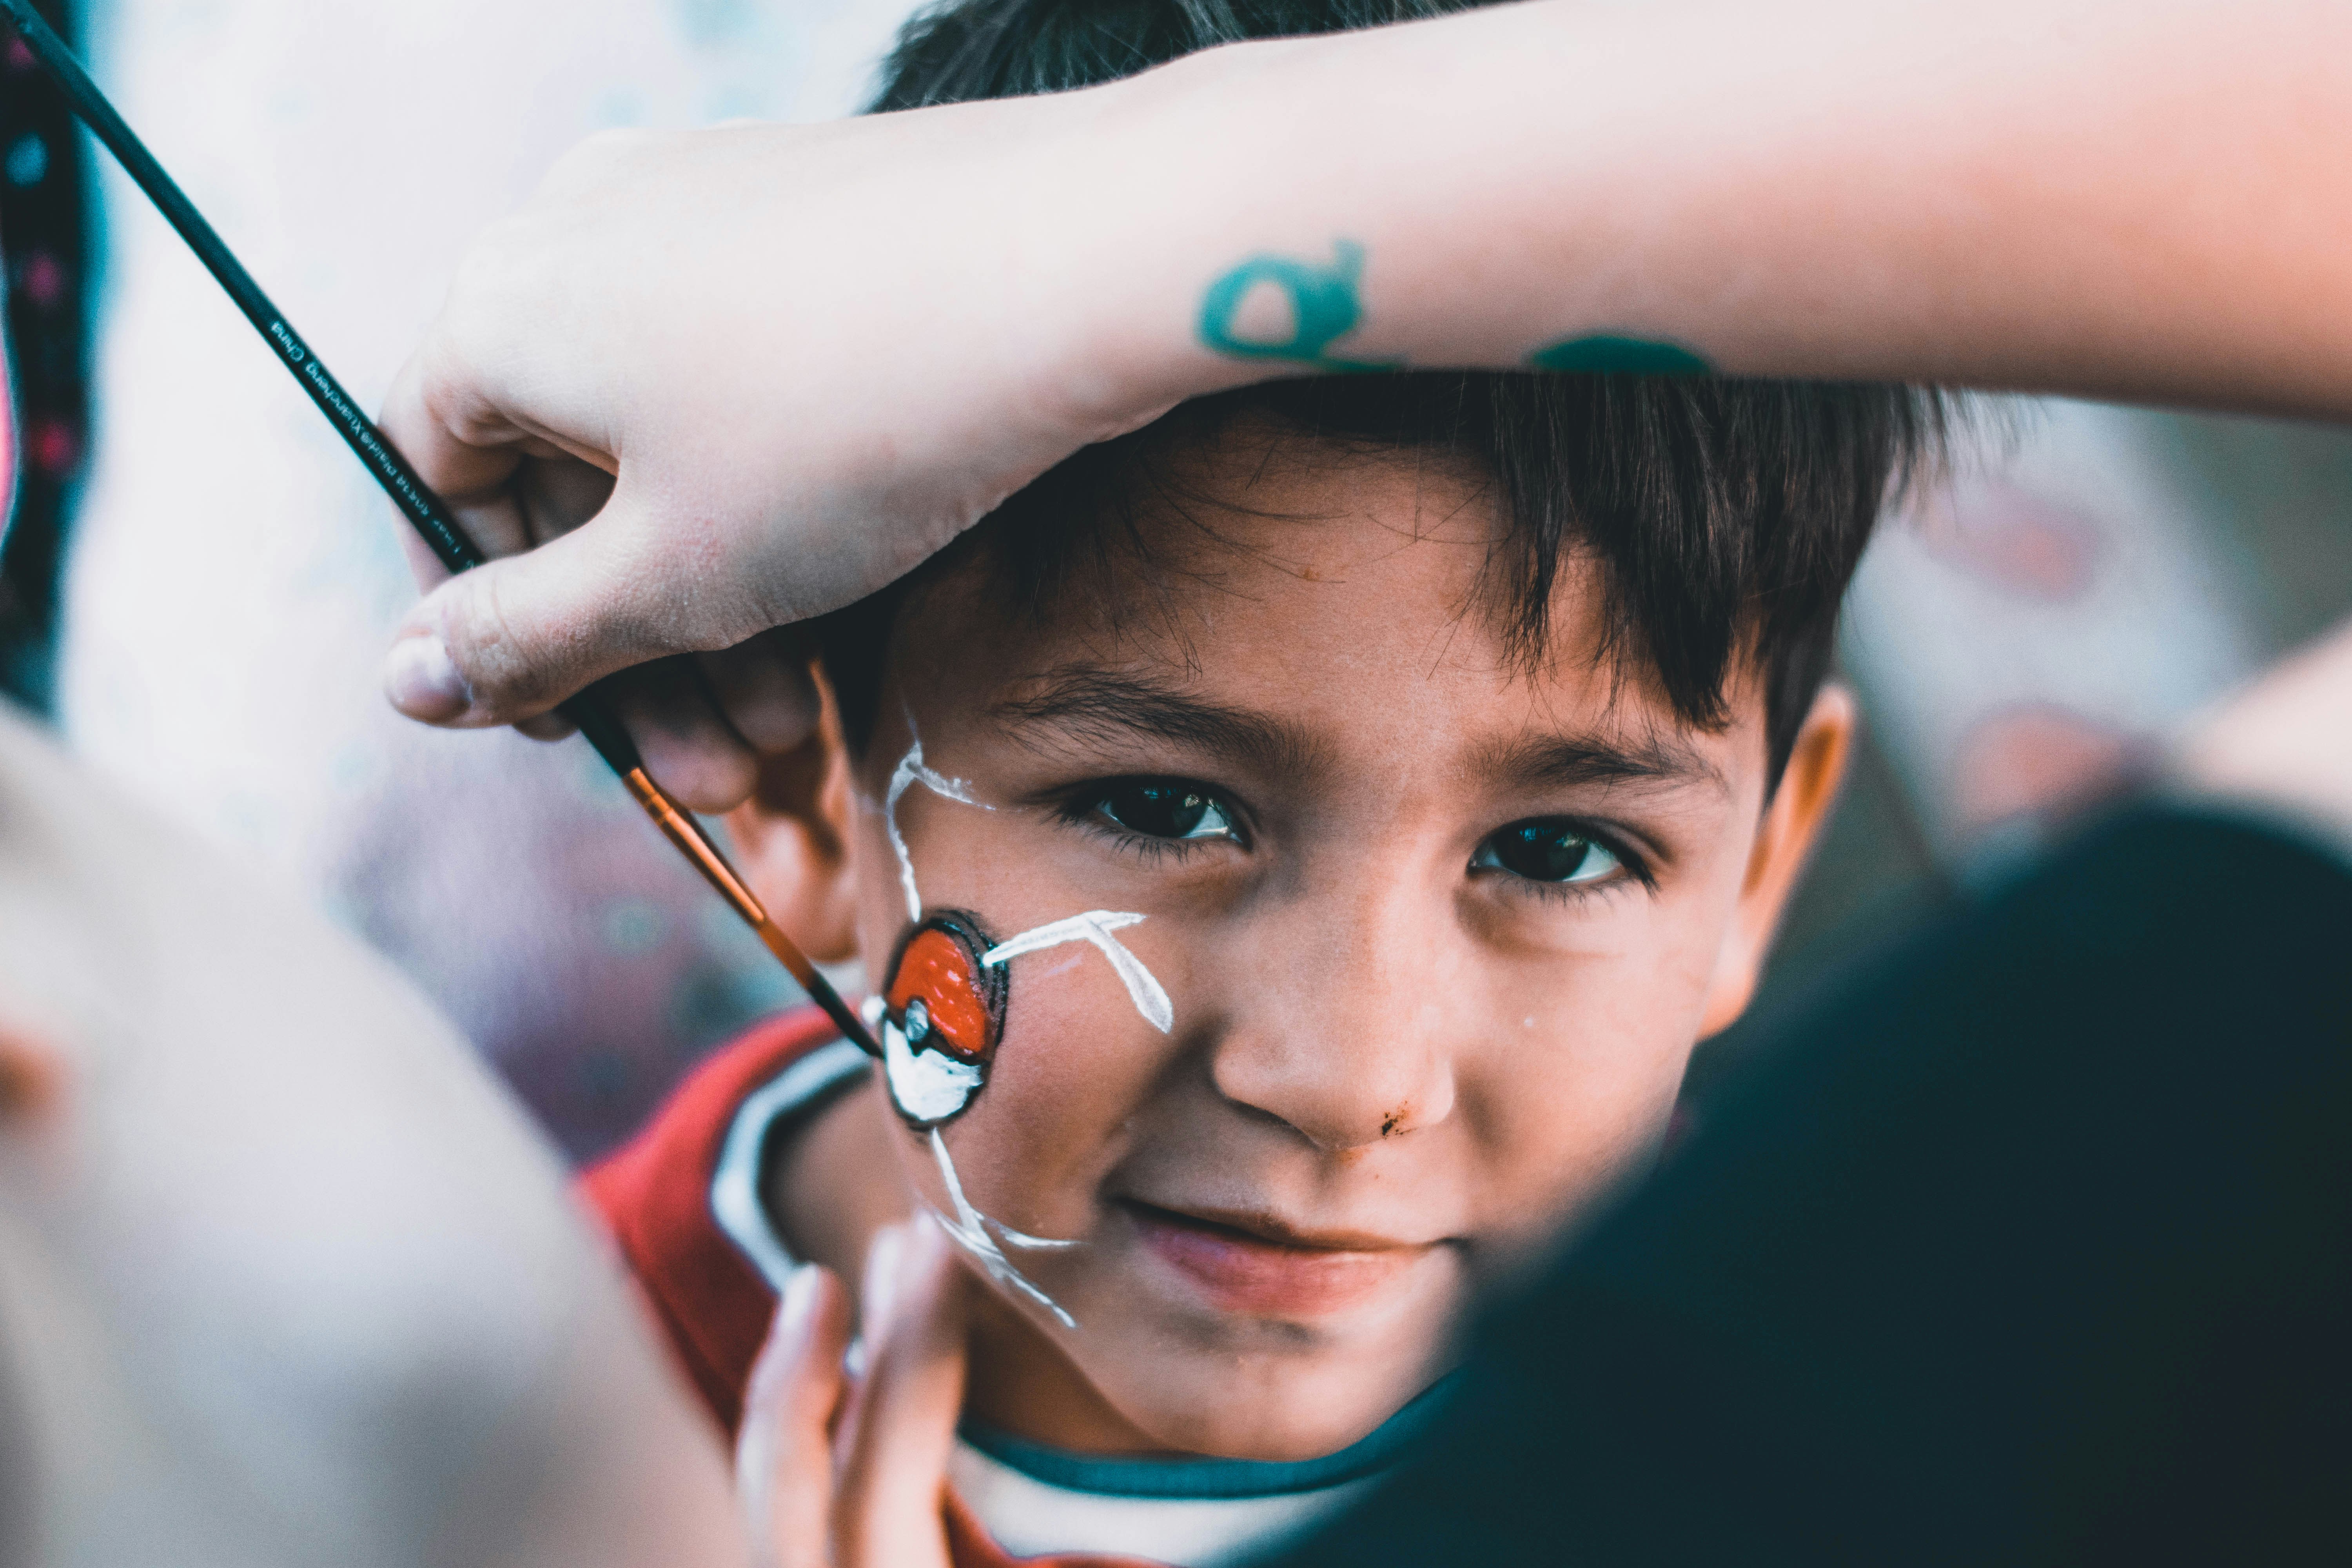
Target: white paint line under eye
{"type": "Point", "coordinates": [909, 772]}
{"type": "Point", "coordinates": [1151, 999]}
{"type": "Point", "coordinates": [970, 1230]}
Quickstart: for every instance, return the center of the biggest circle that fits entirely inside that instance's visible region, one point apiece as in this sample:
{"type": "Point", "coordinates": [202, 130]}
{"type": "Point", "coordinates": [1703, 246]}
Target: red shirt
{"type": "Point", "coordinates": [660, 1194]}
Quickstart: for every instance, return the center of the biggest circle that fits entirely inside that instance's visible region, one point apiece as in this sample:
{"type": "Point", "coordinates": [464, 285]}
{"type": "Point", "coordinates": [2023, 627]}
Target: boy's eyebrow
{"type": "Point", "coordinates": [1090, 701]}
{"type": "Point", "coordinates": [1560, 761]}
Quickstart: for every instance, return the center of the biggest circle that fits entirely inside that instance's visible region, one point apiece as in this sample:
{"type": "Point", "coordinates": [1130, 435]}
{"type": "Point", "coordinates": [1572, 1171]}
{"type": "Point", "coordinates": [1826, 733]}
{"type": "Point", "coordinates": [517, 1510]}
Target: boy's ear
{"type": "Point", "coordinates": [792, 838]}
{"type": "Point", "coordinates": [1809, 787]}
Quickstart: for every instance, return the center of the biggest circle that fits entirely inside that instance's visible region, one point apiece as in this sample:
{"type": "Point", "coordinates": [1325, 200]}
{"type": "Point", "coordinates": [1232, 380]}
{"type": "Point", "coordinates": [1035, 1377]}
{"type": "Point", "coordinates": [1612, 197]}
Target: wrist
{"type": "Point", "coordinates": [1126, 217]}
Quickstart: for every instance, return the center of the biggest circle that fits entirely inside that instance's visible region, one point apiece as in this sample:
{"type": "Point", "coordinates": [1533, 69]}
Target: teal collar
{"type": "Point", "coordinates": [1218, 1479]}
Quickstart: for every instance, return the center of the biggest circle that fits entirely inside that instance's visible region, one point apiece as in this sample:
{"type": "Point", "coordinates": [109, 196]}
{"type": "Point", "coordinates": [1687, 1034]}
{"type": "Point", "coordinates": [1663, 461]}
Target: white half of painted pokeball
{"type": "Point", "coordinates": [927, 1085]}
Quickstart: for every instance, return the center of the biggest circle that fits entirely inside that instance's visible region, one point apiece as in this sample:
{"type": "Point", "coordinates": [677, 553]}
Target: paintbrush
{"type": "Point", "coordinates": [424, 511]}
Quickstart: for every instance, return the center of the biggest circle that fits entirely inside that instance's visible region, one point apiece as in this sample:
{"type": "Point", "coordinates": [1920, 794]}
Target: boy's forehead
{"type": "Point", "coordinates": [1338, 598]}
{"type": "Point", "coordinates": [1310, 530]}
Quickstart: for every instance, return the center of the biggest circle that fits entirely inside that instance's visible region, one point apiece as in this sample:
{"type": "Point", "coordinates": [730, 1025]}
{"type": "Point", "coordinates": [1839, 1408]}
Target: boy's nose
{"type": "Point", "coordinates": [1342, 1029]}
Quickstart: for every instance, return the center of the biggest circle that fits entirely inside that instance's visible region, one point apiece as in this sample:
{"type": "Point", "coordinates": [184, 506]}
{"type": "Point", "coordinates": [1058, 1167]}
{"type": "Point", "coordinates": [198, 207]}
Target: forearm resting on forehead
{"type": "Point", "coordinates": [2085, 197]}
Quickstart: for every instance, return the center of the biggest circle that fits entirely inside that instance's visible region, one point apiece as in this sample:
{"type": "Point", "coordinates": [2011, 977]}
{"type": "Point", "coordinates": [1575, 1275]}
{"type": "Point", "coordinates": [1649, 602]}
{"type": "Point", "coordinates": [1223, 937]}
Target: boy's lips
{"type": "Point", "coordinates": [1259, 1265]}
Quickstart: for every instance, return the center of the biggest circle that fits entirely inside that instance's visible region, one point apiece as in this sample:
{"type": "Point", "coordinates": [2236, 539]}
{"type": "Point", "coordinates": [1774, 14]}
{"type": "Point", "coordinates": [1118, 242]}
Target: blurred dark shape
{"type": "Point", "coordinates": [43, 247]}
{"type": "Point", "coordinates": [2029, 1242]}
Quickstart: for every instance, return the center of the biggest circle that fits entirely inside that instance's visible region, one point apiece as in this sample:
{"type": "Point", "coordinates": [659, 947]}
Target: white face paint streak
{"type": "Point", "coordinates": [909, 772]}
{"type": "Point", "coordinates": [1151, 999]}
{"type": "Point", "coordinates": [929, 1085]}
{"type": "Point", "coordinates": [970, 1229]}
{"type": "Point", "coordinates": [1028, 1243]}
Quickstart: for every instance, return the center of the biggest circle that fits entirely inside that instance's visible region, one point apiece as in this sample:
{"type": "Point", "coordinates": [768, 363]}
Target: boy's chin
{"type": "Point", "coordinates": [1180, 1335]}
{"type": "Point", "coordinates": [1201, 1378]}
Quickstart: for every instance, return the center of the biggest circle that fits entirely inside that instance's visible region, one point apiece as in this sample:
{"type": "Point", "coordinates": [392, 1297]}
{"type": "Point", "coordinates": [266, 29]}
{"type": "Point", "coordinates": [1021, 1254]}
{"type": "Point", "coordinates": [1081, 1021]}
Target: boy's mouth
{"type": "Point", "coordinates": [1258, 1264]}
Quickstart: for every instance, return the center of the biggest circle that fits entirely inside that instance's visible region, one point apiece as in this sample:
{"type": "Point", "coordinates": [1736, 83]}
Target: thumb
{"type": "Point", "coordinates": [510, 640]}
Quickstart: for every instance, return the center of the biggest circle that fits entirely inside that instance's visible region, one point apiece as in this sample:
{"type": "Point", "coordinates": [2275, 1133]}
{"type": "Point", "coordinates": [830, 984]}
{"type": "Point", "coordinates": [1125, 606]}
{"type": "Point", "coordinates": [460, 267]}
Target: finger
{"type": "Point", "coordinates": [556, 495]}
{"type": "Point", "coordinates": [783, 1452]}
{"type": "Point", "coordinates": [764, 690]}
{"type": "Point", "coordinates": [892, 1468]}
{"type": "Point", "coordinates": [518, 636]}
{"type": "Point", "coordinates": [497, 376]}
{"type": "Point", "coordinates": [548, 727]}
{"type": "Point", "coordinates": [544, 498]}
{"type": "Point", "coordinates": [495, 526]}
{"type": "Point", "coordinates": [689, 748]}
{"type": "Point", "coordinates": [463, 469]}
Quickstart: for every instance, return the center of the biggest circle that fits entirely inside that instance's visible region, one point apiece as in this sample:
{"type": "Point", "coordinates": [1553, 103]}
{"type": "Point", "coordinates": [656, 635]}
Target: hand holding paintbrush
{"type": "Point", "coordinates": [426, 513]}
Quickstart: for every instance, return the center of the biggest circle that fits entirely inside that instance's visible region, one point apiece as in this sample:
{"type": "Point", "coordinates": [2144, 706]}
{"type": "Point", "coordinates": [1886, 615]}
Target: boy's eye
{"type": "Point", "coordinates": [1545, 852]}
{"type": "Point", "coordinates": [1159, 808]}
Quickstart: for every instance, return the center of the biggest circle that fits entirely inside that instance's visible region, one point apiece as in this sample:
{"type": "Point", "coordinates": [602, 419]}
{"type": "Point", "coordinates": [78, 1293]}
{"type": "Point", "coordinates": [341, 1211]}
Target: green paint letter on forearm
{"type": "Point", "coordinates": [1322, 301]}
{"type": "Point", "coordinates": [1619, 356]}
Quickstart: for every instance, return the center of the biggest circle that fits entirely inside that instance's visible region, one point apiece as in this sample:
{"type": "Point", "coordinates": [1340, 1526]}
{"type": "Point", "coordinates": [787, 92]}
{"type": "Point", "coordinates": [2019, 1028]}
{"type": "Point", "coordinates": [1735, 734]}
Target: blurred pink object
{"type": "Point", "coordinates": [2042, 615]}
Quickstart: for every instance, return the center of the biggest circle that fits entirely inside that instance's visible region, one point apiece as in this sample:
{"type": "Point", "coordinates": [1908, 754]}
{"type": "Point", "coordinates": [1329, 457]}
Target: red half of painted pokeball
{"type": "Point", "coordinates": [941, 997]}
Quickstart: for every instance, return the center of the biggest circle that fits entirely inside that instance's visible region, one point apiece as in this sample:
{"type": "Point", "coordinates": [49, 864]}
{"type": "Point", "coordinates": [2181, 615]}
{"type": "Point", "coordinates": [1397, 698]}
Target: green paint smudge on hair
{"type": "Point", "coordinates": [1324, 307]}
{"type": "Point", "coordinates": [1604, 355]}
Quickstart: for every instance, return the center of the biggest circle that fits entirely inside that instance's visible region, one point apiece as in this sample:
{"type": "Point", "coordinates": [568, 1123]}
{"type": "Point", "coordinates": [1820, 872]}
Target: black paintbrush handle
{"type": "Point", "coordinates": [426, 511]}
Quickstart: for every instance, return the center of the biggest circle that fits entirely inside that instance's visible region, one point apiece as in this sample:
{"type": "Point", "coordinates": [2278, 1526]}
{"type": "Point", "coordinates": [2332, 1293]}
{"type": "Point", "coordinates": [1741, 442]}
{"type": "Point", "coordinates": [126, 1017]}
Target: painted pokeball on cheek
{"type": "Point", "coordinates": [942, 1015]}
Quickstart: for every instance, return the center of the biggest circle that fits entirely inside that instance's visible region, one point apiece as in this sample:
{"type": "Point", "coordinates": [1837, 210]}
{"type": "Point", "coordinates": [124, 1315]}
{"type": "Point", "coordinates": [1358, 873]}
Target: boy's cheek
{"type": "Point", "coordinates": [1075, 1080]}
{"type": "Point", "coordinates": [1076, 1060]}
{"type": "Point", "coordinates": [1073, 1075]}
{"type": "Point", "coordinates": [1573, 1097]}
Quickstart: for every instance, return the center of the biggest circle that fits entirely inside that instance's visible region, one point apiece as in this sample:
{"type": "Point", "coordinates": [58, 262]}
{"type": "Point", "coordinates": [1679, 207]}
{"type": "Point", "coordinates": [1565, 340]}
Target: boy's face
{"type": "Point", "coordinates": [1435, 939]}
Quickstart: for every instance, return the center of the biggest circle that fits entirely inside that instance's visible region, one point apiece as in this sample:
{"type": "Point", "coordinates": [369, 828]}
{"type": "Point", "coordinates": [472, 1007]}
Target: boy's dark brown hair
{"type": "Point", "coordinates": [1723, 517]}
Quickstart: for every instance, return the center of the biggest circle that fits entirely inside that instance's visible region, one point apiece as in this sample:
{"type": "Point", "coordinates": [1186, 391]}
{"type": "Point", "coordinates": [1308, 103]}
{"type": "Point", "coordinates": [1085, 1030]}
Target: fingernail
{"type": "Point", "coordinates": [423, 683]}
{"type": "Point", "coordinates": [800, 1295]}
